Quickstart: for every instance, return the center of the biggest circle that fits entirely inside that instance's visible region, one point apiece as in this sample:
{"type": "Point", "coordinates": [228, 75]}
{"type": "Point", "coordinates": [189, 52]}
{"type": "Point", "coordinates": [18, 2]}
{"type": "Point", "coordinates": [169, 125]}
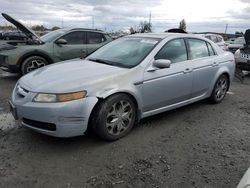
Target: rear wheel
{"type": "Point", "coordinates": [114, 117]}
{"type": "Point", "coordinates": [33, 63]}
{"type": "Point", "coordinates": [220, 89]}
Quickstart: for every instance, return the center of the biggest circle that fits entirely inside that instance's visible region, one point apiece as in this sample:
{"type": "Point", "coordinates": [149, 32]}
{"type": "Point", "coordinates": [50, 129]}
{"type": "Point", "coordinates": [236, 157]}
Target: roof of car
{"type": "Point", "coordinates": [162, 35]}
{"type": "Point", "coordinates": [85, 29]}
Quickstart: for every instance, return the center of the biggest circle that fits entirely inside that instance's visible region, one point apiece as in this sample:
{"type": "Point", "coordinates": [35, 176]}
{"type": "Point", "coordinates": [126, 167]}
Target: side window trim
{"type": "Point", "coordinates": [173, 40]}
{"type": "Point", "coordinates": [214, 52]}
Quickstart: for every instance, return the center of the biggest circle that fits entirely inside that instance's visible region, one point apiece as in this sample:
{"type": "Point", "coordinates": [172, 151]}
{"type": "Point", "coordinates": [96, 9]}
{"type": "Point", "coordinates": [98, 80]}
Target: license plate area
{"type": "Point", "coordinates": [13, 110]}
{"type": "Point", "coordinates": [245, 56]}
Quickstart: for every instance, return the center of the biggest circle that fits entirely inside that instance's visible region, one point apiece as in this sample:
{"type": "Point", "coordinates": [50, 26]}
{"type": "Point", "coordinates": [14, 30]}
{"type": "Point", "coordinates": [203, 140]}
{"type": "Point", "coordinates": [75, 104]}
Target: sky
{"type": "Point", "coordinates": [108, 15]}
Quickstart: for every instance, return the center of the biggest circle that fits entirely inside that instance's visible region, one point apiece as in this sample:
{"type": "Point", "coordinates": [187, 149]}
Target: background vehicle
{"type": "Point", "coordinates": [60, 45]}
{"type": "Point", "coordinates": [1, 35]}
{"type": "Point", "coordinates": [242, 55]}
{"type": "Point", "coordinates": [217, 39]}
{"type": "Point", "coordinates": [128, 79]}
{"type": "Point", "coordinates": [237, 44]}
{"type": "Point", "coordinates": [14, 35]}
{"type": "Point", "coordinates": [230, 41]}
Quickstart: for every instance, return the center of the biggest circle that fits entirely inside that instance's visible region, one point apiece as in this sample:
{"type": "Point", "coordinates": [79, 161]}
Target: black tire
{"type": "Point", "coordinates": [33, 63]}
{"type": "Point", "coordinates": [220, 89]}
{"type": "Point", "coordinates": [112, 127]}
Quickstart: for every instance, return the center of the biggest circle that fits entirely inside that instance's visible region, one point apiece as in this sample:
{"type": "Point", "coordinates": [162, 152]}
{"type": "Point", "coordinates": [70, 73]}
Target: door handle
{"type": "Point", "coordinates": [187, 70]}
{"type": "Point", "coordinates": [215, 64]}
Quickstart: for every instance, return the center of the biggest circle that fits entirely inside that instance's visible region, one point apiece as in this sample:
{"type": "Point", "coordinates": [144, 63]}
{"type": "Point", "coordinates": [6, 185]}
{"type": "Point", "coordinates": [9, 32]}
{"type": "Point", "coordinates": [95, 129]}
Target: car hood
{"type": "Point", "coordinates": [69, 76]}
{"type": "Point", "coordinates": [28, 32]}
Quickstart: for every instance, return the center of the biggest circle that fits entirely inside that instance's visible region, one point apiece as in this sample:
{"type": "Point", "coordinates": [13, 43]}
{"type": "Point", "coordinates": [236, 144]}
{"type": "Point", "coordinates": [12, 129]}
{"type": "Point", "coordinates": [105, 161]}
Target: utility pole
{"type": "Point", "coordinates": [149, 18]}
{"type": "Point", "coordinates": [226, 29]}
{"type": "Point", "coordinates": [93, 22]}
{"type": "Point", "coordinates": [62, 23]}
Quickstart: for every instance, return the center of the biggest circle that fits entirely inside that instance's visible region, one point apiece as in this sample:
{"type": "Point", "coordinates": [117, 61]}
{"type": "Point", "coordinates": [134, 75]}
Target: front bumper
{"type": "Point", "coordinates": [242, 64]}
{"type": "Point", "coordinates": [65, 119]}
{"type": "Point", "coordinates": [7, 67]}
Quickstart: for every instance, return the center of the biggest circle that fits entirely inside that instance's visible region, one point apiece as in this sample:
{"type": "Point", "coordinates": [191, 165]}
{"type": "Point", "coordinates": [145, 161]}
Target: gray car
{"type": "Point", "coordinates": [35, 52]}
{"type": "Point", "coordinates": [126, 80]}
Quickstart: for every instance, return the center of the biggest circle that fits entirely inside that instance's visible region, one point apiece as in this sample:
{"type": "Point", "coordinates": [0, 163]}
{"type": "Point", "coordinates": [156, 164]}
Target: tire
{"type": "Point", "coordinates": [220, 89]}
{"type": "Point", "coordinates": [114, 117]}
{"type": "Point", "coordinates": [33, 63]}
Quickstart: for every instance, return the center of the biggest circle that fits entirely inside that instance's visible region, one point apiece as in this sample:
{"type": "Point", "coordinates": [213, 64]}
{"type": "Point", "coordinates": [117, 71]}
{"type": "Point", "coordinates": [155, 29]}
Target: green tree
{"type": "Point", "coordinates": [183, 25]}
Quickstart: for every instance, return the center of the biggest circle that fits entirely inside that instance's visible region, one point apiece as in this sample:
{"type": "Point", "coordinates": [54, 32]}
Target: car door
{"type": "Point", "coordinates": [75, 47]}
{"type": "Point", "coordinates": [168, 86]}
{"type": "Point", "coordinates": [95, 40]}
{"type": "Point", "coordinates": [204, 63]}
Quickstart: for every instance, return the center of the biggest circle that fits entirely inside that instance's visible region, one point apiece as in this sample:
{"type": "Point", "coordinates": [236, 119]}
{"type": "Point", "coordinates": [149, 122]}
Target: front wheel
{"type": "Point", "coordinates": [114, 117]}
{"type": "Point", "coordinates": [33, 63]}
{"type": "Point", "coordinates": [220, 89]}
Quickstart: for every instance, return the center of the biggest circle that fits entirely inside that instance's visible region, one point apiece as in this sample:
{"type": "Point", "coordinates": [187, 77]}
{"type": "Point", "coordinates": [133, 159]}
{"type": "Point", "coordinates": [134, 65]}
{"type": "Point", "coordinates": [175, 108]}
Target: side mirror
{"type": "Point", "coordinates": [162, 63]}
{"type": "Point", "coordinates": [61, 42]}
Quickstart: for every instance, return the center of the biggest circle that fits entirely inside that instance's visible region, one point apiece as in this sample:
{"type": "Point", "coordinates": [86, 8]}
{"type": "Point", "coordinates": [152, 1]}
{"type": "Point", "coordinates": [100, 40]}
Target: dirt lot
{"type": "Point", "coordinates": [200, 145]}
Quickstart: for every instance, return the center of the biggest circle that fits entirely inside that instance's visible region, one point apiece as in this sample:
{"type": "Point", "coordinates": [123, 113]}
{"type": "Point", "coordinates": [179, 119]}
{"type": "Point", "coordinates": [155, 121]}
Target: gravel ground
{"type": "Point", "coordinates": [200, 145]}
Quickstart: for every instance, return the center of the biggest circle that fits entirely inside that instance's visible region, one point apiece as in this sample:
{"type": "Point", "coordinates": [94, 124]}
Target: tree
{"type": "Point", "coordinates": [145, 27]}
{"type": "Point", "coordinates": [131, 30]}
{"type": "Point", "coordinates": [55, 28]}
{"type": "Point", "coordinates": [183, 25]}
{"type": "Point", "coordinates": [38, 28]}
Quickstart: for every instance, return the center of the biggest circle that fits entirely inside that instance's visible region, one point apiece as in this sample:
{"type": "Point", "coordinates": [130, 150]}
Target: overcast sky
{"type": "Point", "coordinates": [200, 15]}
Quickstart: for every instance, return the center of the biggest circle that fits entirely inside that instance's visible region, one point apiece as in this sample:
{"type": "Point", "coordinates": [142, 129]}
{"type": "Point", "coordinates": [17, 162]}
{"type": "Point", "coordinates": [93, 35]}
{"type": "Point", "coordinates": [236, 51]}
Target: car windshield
{"type": "Point", "coordinates": [49, 37]}
{"type": "Point", "coordinates": [239, 40]}
{"type": "Point", "coordinates": [125, 52]}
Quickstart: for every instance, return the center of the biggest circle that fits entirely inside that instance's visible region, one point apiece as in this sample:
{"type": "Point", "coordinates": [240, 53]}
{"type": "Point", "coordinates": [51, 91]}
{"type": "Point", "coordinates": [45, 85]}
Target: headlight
{"type": "Point", "coordinates": [52, 98]}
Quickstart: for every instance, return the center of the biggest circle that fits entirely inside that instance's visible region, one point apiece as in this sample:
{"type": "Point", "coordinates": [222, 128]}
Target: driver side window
{"type": "Point", "coordinates": [175, 51]}
{"type": "Point", "coordinates": [75, 37]}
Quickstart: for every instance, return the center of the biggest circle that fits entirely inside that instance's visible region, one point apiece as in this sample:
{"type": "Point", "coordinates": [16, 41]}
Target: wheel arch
{"type": "Point", "coordinates": [34, 53]}
{"type": "Point", "coordinates": [104, 97]}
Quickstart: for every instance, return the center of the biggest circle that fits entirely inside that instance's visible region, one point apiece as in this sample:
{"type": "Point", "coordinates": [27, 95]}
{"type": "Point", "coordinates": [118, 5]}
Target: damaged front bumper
{"type": "Point", "coordinates": [62, 119]}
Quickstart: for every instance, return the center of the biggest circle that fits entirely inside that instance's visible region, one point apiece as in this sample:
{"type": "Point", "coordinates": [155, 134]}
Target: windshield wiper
{"type": "Point", "coordinates": [108, 62]}
{"type": "Point", "coordinates": [101, 61]}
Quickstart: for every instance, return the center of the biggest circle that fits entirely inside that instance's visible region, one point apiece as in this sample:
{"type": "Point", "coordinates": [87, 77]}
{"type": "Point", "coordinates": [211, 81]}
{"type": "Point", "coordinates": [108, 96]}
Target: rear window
{"type": "Point", "coordinates": [198, 48]}
{"type": "Point", "coordinates": [95, 38]}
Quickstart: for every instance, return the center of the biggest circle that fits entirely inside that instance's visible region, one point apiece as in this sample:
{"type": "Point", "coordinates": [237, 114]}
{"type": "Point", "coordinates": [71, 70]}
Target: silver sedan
{"type": "Point", "coordinates": [119, 84]}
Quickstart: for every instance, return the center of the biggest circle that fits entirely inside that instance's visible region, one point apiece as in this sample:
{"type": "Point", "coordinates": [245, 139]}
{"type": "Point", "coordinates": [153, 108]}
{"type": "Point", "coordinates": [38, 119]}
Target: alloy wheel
{"type": "Point", "coordinates": [35, 64]}
{"type": "Point", "coordinates": [221, 88]}
{"type": "Point", "coordinates": [119, 117]}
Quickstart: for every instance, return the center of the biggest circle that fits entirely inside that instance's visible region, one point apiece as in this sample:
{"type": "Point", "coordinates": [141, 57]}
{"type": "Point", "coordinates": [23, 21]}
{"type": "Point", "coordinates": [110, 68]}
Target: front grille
{"type": "Point", "coordinates": [40, 125]}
